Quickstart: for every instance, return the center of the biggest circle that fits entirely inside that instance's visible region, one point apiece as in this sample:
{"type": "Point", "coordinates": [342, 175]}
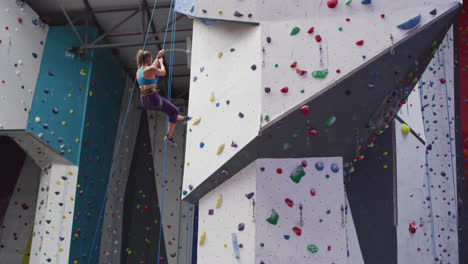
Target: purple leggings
{"type": "Point", "coordinates": [157, 103]}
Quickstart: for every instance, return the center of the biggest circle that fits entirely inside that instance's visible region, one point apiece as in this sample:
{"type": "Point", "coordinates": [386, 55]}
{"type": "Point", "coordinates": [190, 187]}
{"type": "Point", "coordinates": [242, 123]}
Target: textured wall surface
{"type": "Point", "coordinates": [22, 39]}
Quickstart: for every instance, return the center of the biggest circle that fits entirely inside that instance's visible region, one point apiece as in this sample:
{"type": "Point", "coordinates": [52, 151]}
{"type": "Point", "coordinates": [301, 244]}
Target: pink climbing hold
{"type": "Point", "coordinates": [289, 202]}
{"type": "Point", "coordinates": [412, 227]}
{"type": "Point", "coordinates": [332, 3]}
{"type": "Point", "coordinates": [360, 43]}
{"type": "Point", "coordinates": [318, 38]}
{"type": "Point", "coordinates": [297, 230]}
{"type": "Point", "coordinates": [311, 30]}
{"type": "Point", "coordinates": [284, 90]}
{"type": "Point", "coordinates": [305, 110]}
{"type": "Point", "coordinates": [293, 65]}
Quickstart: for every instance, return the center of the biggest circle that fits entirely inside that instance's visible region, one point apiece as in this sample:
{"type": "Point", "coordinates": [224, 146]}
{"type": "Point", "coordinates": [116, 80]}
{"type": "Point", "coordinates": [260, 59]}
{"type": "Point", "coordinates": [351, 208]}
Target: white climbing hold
{"type": "Point", "coordinates": [30, 91]}
{"type": "Point", "coordinates": [22, 101]}
{"type": "Point", "coordinates": [37, 119]}
{"type": "Point", "coordinates": [40, 135]}
{"type": "Point", "coordinates": [18, 73]}
{"type": "Point", "coordinates": [20, 62]}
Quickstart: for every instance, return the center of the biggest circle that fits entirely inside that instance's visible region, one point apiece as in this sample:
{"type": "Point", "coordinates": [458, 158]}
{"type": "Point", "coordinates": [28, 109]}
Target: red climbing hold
{"type": "Point", "coordinates": [311, 30]}
{"type": "Point", "coordinates": [297, 230]}
{"type": "Point", "coordinates": [360, 43]}
{"type": "Point", "coordinates": [318, 38]}
{"type": "Point", "coordinates": [348, 20]}
{"type": "Point", "coordinates": [313, 192]}
{"type": "Point", "coordinates": [332, 3]}
{"type": "Point", "coordinates": [412, 227]}
{"type": "Point", "coordinates": [20, 20]}
{"type": "Point", "coordinates": [289, 202]}
{"type": "Point", "coordinates": [382, 15]}
{"type": "Point", "coordinates": [338, 71]}
{"type": "Point", "coordinates": [305, 110]}
{"type": "Point", "coordinates": [293, 65]}
{"type": "Point", "coordinates": [312, 132]}
{"type": "Point", "coordinates": [284, 90]}
{"type": "Point", "coordinates": [442, 80]}
{"type": "Point", "coordinates": [279, 171]}
{"type": "Point", "coordinates": [304, 163]}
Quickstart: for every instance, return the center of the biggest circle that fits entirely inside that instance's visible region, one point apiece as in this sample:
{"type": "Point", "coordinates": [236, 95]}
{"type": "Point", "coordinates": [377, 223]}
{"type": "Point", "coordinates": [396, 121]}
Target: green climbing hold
{"type": "Point", "coordinates": [330, 121]}
{"type": "Point", "coordinates": [312, 248]}
{"type": "Point", "coordinates": [267, 118]}
{"type": "Point", "coordinates": [320, 74]}
{"type": "Point", "coordinates": [262, 245]}
{"type": "Point", "coordinates": [276, 65]}
{"type": "Point", "coordinates": [297, 174]}
{"type": "Point", "coordinates": [340, 28]}
{"type": "Point", "coordinates": [348, 2]}
{"type": "Point", "coordinates": [294, 31]}
{"type": "Point", "coordinates": [273, 219]}
{"type": "Point", "coordinates": [287, 144]}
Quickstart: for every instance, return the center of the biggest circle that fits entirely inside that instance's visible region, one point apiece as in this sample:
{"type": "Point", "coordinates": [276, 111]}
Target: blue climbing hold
{"type": "Point", "coordinates": [410, 23]}
{"type": "Point", "coordinates": [184, 192]}
{"type": "Point", "coordinates": [319, 166]}
{"type": "Point", "coordinates": [334, 167]}
{"type": "Point", "coordinates": [286, 237]}
{"type": "Point", "coordinates": [190, 187]}
{"type": "Point", "coordinates": [202, 144]}
{"type": "Point", "coordinates": [366, 2]}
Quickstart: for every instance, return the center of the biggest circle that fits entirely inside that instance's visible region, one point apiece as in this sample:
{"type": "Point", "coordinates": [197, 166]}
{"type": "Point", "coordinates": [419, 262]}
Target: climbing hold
{"type": "Point", "coordinates": [360, 42]}
{"type": "Point", "coordinates": [297, 230]}
{"type": "Point", "coordinates": [224, 173]}
{"type": "Point", "coordinates": [220, 54]}
{"type": "Point", "coordinates": [412, 227]}
{"type": "Point", "coordinates": [218, 201]}
{"type": "Point", "coordinates": [202, 238]}
{"type": "Point", "coordinates": [249, 195]}
{"type": "Point", "coordinates": [382, 16]}
{"type": "Point", "coordinates": [312, 248]}
{"type": "Point", "coordinates": [313, 192]}
{"type": "Point", "coordinates": [196, 121]}
{"type": "Point", "coordinates": [202, 144]}
{"type": "Point", "coordinates": [297, 174]}
{"type": "Point", "coordinates": [289, 202]}
{"type": "Point", "coordinates": [330, 121]}
{"type": "Point", "coordinates": [220, 149]}
{"type": "Point", "coordinates": [55, 110]}
{"type": "Point", "coordinates": [34, 55]}
{"type": "Point", "coordinates": [304, 163]}
{"type": "Point", "coordinates": [312, 132]}
{"type": "Point", "coordinates": [320, 74]}
{"type": "Point", "coordinates": [311, 30]}
{"type": "Point", "coordinates": [220, 12]}
{"type": "Point", "coordinates": [267, 89]}
{"type": "Point", "coordinates": [405, 128]}
{"type": "Point", "coordinates": [253, 67]}
{"type": "Point", "coordinates": [318, 38]}
{"type": "Point", "coordinates": [305, 110]}
{"type": "Point", "coordinates": [284, 90]}
{"type": "Point", "coordinates": [210, 212]}
{"type": "Point", "coordinates": [37, 119]}
{"type": "Point", "coordinates": [235, 246]}
{"type": "Point", "coordinates": [413, 22]}
{"type": "Point", "coordinates": [279, 171]}
{"type": "Point", "coordinates": [82, 72]}
{"type": "Point", "coordinates": [238, 14]}
{"type": "Point", "coordinates": [293, 65]}
{"type": "Point", "coordinates": [433, 12]}
{"type": "Point", "coordinates": [234, 144]}
{"type": "Point", "coordinates": [241, 227]}
{"type": "Point", "coordinates": [334, 167]}
{"type": "Point", "coordinates": [348, 2]}
{"type": "Point", "coordinates": [212, 98]}
{"type": "Point", "coordinates": [273, 219]}
{"type": "Point", "coordinates": [286, 237]}
{"type": "Point", "coordinates": [294, 31]}
{"type": "Point", "coordinates": [332, 3]}
{"type": "Point", "coordinates": [241, 115]}
{"type": "Point", "coordinates": [268, 39]}
{"type": "Point", "coordinates": [366, 2]}
{"type": "Point", "coordinates": [319, 165]}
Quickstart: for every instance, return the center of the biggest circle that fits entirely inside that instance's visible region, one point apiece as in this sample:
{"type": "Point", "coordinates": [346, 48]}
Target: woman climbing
{"type": "Point", "coordinates": [149, 97]}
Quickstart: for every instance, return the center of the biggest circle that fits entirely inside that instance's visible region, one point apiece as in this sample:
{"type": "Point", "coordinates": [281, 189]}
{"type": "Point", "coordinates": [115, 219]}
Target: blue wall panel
{"type": "Point", "coordinates": [61, 93]}
{"type": "Point", "coordinates": [186, 7]}
{"type": "Point", "coordinates": [104, 102]}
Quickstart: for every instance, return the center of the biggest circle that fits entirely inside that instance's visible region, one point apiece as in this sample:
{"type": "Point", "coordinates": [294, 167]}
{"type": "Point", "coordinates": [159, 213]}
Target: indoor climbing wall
{"type": "Point", "coordinates": [52, 234]}
{"type": "Point", "coordinates": [64, 85]}
{"type": "Point", "coordinates": [303, 203]}
{"type": "Point", "coordinates": [22, 38]}
{"type": "Point", "coordinates": [175, 224]}
{"type": "Point", "coordinates": [224, 96]}
{"type": "Point", "coordinates": [113, 215]}
{"type": "Point", "coordinates": [107, 82]}
{"type": "Point", "coordinates": [17, 225]}
{"type": "Point", "coordinates": [227, 221]}
{"type": "Point", "coordinates": [371, 34]}
{"type": "Point", "coordinates": [411, 113]}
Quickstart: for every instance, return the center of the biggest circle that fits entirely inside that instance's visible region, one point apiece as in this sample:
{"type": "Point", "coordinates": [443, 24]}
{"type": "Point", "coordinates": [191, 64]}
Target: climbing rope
{"type": "Point", "coordinates": [122, 129]}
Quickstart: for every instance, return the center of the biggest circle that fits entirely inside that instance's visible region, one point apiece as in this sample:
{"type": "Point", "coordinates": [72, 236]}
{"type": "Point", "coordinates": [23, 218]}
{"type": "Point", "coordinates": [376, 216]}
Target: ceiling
{"type": "Point", "coordinates": [105, 14]}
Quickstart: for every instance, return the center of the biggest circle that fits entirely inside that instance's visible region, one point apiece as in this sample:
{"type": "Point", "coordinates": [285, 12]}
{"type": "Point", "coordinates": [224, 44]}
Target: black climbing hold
{"type": "Point", "coordinates": [60, 139]}
{"type": "Point", "coordinates": [46, 91]}
{"type": "Point", "coordinates": [55, 110]}
{"type": "Point", "coordinates": [433, 12]}
{"type": "Point", "coordinates": [45, 126]}
{"type": "Point", "coordinates": [64, 178]}
{"type": "Point", "coordinates": [60, 204]}
{"type": "Point", "coordinates": [48, 221]}
{"type": "Point", "coordinates": [51, 74]}
{"type": "Point", "coordinates": [34, 55]}
{"type": "Point", "coordinates": [268, 39]}
{"type": "Point", "coordinates": [267, 89]}
{"type": "Point", "coordinates": [348, 92]}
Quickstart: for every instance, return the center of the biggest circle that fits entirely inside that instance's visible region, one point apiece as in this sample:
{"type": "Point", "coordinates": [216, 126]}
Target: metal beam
{"type": "Point", "coordinates": [72, 26]}
{"type": "Point", "coordinates": [153, 27]}
{"type": "Point", "coordinates": [122, 45]}
{"type": "Point", "coordinates": [115, 27]}
{"type": "Point", "coordinates": [178, 17]}
{"type": "Point", "coordinates": [126, 9]}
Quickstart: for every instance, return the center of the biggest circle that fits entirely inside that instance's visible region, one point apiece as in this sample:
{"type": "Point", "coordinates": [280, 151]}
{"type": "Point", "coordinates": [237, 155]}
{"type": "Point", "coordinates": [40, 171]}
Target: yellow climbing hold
{"type": "Point", "coordinates": [202, 238]}
{"type": "Point", "coordinates": [188, 163]}
{"type": "Point", "coordinates": [64, 123]}
{"type": "Point", "coordinates": [71, 111]}
{"type": "Point", "coordinates": [220, 12]}
{"type": "Point", "coordinates": [90, 93]}
{"type": "Point", "coordinates": [77, 140]}
{"type": "Point", "coordinates": [69, 150]}
{"type": "Point", "coordinates": [225, 245]}
{"type": "Point", "coordinates": [218, 201]}
{"type": "Point", "coordinates": [405, 128]}
{"type": "Point", "coordinates": [196, 121]}
{"type": "Point", "coordinates": [61, 249]}
{"type": "Point", "coordinates": [57, 182]}
{"type": "Point", "coordinates": [69, 95]}
{"type": "Point", "coordinates": [220, 55]}
{"type": "Point", "coordinates": [212, 97]}
{"type": "Point", "coordinates": [220, 149]}
{"type": "Point", "coordinates": [71, 199]}
{"type": "Point", "coordinates": [52, 132]}
{"type": "Point", "coordinates": [82, 72]}
{"type": "Point", "coordinates": [70, 173]}
{"type": "Point", "coordinates": [78, 186]}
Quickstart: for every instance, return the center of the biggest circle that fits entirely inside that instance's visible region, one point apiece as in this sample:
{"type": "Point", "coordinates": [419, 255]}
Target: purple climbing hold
{"type": "Point", "coordinates": [241, 115]}
{"type": "Point", "coordinates": [262, 169]}
{"type": "Point", "coordinates": [268, 39]}
{"type": "Point", "coordinates": [233, 49]}
{"type": "Point", "coordinates": [267, 89]}
{"type": "Point", "coordinates": [224, 173]}
{"type": "Point", "coordinates": [249, 195]}
{"type": "Point", "coordinates": [253, 67]}
{"type": "Point", "coordinates": [204, 11]}
{"type": "Point", "coordinates": [250, 15]}
{"type": "Point", "coordinates": [238, 14]}
{"type": "Point", "coordinates": [241, 227]}
{"type": "Point", "coordinates": [241, 245]}
{"type": "Point", "coordinates": [234, 144]}
{"type": "Point", "coordinates": [211, 212]}
{"type": "Point", "coordinates": [228, 102]}
{"type": "Point", "coordinates": [60, 139]}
